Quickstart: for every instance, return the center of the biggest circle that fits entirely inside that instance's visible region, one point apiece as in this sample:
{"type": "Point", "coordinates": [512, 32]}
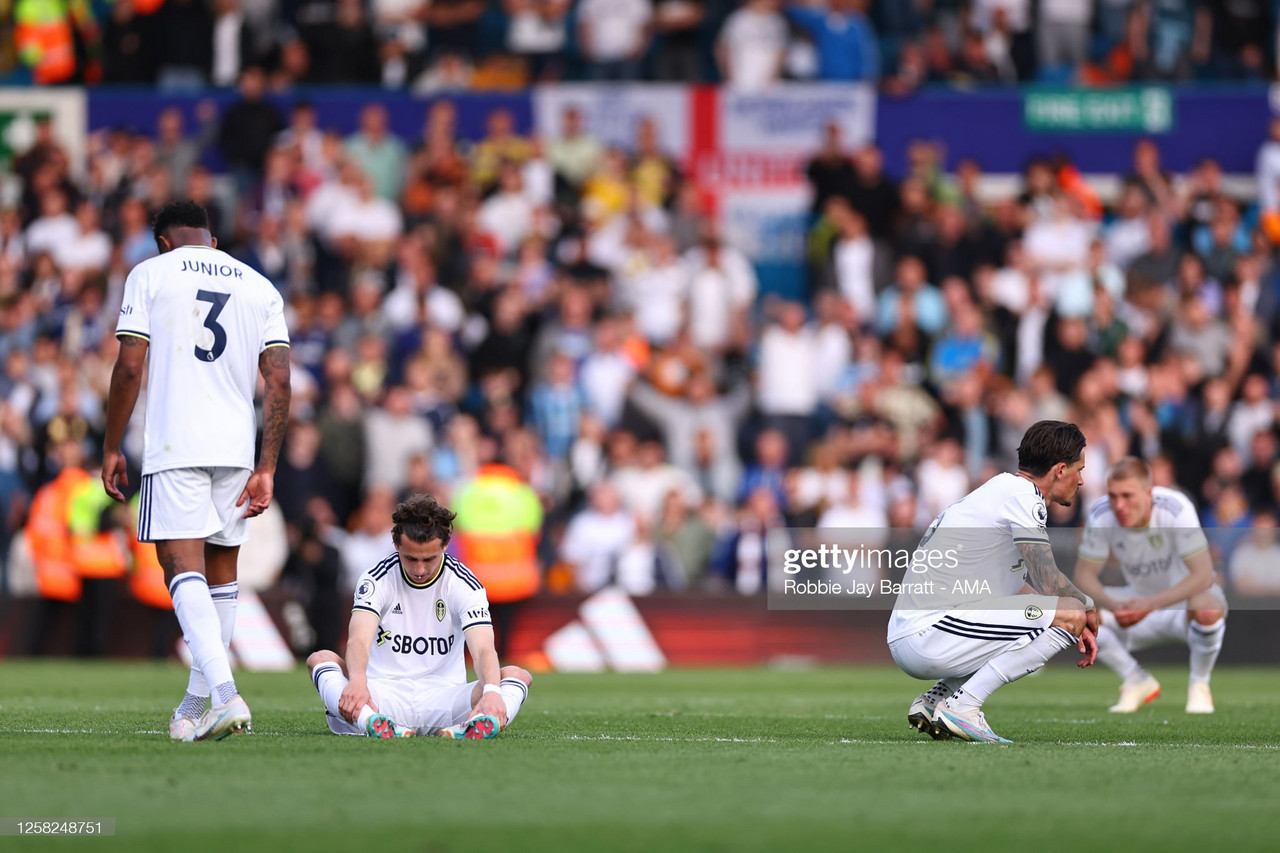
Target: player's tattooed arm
{"type": "Point", "coordinates": [274, 365]}
{"type": "Point", "coordinates": [1043, 574]}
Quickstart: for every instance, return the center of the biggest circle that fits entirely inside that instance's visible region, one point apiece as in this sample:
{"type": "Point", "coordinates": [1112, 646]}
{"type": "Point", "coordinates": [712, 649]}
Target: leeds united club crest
{"type": "Point", "coordinates": [439, 610]}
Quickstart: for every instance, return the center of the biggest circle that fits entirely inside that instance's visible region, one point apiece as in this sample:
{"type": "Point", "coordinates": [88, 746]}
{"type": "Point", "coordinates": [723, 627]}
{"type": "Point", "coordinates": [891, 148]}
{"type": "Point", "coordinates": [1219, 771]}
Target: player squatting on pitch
{"type": "Point", "coordinates": [977, 647]}
{"type": "Point", "coordinates": [1169, 593]}
{"type": "Point", "coordinates": [404, 674]}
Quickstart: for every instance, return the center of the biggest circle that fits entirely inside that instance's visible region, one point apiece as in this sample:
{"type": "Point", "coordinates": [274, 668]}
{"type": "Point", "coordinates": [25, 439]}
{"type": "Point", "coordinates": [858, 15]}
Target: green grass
{"type": "Point", "coordinates": [688, 760]}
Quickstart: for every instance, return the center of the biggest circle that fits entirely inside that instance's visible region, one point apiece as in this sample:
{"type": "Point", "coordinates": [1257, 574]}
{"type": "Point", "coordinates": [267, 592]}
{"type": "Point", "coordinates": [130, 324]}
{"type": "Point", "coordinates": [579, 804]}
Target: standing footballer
{"type": "Point", "coordinates": [210, 324]}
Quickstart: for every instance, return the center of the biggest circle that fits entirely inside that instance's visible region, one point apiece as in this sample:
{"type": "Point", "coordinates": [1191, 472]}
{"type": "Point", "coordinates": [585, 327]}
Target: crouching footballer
{"type": "Point", "coordinates": [405, 674]}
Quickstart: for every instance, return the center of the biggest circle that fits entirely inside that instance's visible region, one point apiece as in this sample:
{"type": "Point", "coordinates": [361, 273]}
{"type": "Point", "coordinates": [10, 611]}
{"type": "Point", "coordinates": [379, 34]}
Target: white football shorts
{"type": "Point", "coordinates": [414, 703]}
{"type": "Point", "coordinates": [193, 503]}
{"type": "Point", "coordinates": [1157, 628]}
{"type": "Point", "coordinates": [965, 638]}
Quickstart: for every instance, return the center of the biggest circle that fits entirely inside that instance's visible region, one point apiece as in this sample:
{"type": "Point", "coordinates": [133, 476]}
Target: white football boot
{"type": "Point", "coordinates": [920, 714]}
{"type": "Point", "coordinates": [966, 725]}
{"type": "Point", "coordinates": [1134, 696]}
{"type": "Point", "coordinates": [182, 728]}
{"type": "Point", "coordinates": [222, 721]}
{"type": "Point", "coordinates": [1199, 699]}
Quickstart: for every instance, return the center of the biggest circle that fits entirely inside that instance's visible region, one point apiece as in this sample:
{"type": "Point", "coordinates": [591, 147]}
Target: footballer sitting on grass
{"type": "Point", "coordinates": [1169, 594]}
{"type": "Point", "coordinates": [404, 674]}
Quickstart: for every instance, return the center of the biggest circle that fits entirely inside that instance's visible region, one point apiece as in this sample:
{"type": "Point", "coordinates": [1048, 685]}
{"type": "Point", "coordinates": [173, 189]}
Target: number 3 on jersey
{"type": "Point", "coordinates": [217, 301]}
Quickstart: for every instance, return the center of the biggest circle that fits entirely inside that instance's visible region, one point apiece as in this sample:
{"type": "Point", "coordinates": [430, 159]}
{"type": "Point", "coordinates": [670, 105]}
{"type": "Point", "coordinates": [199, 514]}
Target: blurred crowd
{"type": "Point", "coordinates": [563, 312]}
{"type": "Point", "coordinates": [435, 45]}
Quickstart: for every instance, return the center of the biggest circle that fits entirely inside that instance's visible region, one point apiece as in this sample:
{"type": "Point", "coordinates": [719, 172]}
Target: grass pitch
{"type": "Point", "coordinates": [688, 760]}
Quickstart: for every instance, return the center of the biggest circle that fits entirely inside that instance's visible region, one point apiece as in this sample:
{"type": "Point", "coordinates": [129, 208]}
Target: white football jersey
{"type": "Point", "coordinates": [974, 546]}
{"type": "Point", "coordinates": [421, 626]}
{"type": "Point", "coordinates": [1150, 558]}
{"type": "Point", "coordinates": [207, 317]}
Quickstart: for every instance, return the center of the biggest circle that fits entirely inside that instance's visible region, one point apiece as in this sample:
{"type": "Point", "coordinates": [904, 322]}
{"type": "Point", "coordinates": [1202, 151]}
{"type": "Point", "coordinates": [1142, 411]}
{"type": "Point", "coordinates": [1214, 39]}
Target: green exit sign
{"type": "Point", "coordinates": [1145, 110]}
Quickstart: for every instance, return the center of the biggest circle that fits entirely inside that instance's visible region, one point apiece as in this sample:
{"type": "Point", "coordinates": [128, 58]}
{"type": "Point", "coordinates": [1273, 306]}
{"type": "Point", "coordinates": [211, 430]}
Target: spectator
{"type": "Point", "coordinates": [752, 46]}
{"type": "Point", "coordinates": [538, 30]}
{"type": "Point", "coordinates": [846, 44]}
{"type": "Point", "coordinates": [182, 40]}
{"type": "Point", "coordinates": [678, 51]}
{"type": "Point", "coordinates": [249, 129]}
{"type": "Point", "coordinates": [613, 36]}
{"type": "Point", "coordinates": [596, 538]}
{"type": "Point", "coordinates": [1062, 33]}
{"type": "Point", "coordinates": [128, 50]}
{"type": "Point", "coordinates": [394, 435]}
{"type": "Point", "coordinates": [1254, 566]}
{"type": "Point", "coordinates": [379, 153]}
{"type": "Point", "coordinates": [556, 406]}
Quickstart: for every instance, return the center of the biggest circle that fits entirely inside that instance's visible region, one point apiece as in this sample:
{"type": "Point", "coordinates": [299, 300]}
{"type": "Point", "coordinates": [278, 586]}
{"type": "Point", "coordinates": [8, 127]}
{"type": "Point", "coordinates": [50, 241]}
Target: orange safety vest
{"type": "Point", "coordinates": [45, 41]}
{"type": "Point", "coordinates": [496, 532]}
{"type": "Point", "coordinates": [146, 581]}
{"type": "Point", "coordinates": [50, 538]}
{"type": "Point", "coordinates": [95, 554]}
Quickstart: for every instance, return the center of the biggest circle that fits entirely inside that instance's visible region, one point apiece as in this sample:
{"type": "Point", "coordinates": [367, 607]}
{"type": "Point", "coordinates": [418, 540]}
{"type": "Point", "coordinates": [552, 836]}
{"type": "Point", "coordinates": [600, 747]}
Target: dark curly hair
{"type": "Point", "coordinates": [1046, 443]}
{"type": "Point", "coordinates": [179, 214]}
{"type": "Point", "coordinates": [421, 519]}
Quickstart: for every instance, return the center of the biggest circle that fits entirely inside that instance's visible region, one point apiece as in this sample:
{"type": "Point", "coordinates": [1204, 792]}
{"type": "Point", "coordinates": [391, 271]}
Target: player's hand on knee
{"type": "Point", "coordinates": [493, 705]}
{"type": "Point", "coordinates": [1128, 614]}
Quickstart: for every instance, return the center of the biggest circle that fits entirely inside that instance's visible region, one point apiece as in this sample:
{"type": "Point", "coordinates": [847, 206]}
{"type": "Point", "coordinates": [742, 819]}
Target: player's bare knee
{"type": "Point", "coordinates": [325, 656]}
{"type": "Point", "coordinates": [1070, 616]}
{"type": "Point", "coordinates": [518, 674]}
{"type": "Point", "coordinates": [1206, 617]}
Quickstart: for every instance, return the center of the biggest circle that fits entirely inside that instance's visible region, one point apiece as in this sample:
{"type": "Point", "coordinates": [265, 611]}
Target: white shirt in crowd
{"type": "Point", "coordinates": [1267, 171]}
{"type": "Point", "coordinates": [656, 296]}
{"type": "Point", "coordinates": [531, 31]}
{"type": "Point", "coordinates": [716, 293]}
{"type": "Point", "coordinates": [508, 217]}
{"type": "Point", "coordinates": [592, 544]}
{"type": "Point", "coordinates": [444, 308]}
{"type": "Point", "coordinates": [48, 233]}
{"type": "Point", "coordinates": [788, 382]}
{"type": "Point", "coordinates": [754, 43]}
{"type": "Point", "coordinates": [616, 28]}
{"type": "Point", "coordinates": [373, 220]}
{"type": "Point", "coordinates": [1066, 11]}
{"type": "Point", "coordinates": [90, 251]}
{"type": "Point", "coordinates": [855, 266]}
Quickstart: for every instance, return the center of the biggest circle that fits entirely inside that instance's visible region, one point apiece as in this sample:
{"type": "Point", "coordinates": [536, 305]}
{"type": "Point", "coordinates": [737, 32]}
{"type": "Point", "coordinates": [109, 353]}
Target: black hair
{"type": "Point", "coordinates": [179, 214]}
{"type": "Point", "coordinates": [421, 519]}
{"type": "Point", "coordinates": [1046, 443]}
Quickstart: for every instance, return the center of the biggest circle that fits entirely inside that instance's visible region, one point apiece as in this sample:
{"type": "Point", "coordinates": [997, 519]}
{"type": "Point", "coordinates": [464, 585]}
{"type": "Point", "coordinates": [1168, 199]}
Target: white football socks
{"type": "Point", "coordinates": [1008, 667]}
{"type": "Point", "coordinates": [1112, 652]}
{"type": "Point", "coordinates": [330, 682]}
{"type": "Point", "coordinates": [203, 632]}
{"type": "Point", "coordinates": [1205, 642]}
{"type": "Point", "coordinates": [514, 692]}
{"type": "Point", "coordinates": [224, 601]}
